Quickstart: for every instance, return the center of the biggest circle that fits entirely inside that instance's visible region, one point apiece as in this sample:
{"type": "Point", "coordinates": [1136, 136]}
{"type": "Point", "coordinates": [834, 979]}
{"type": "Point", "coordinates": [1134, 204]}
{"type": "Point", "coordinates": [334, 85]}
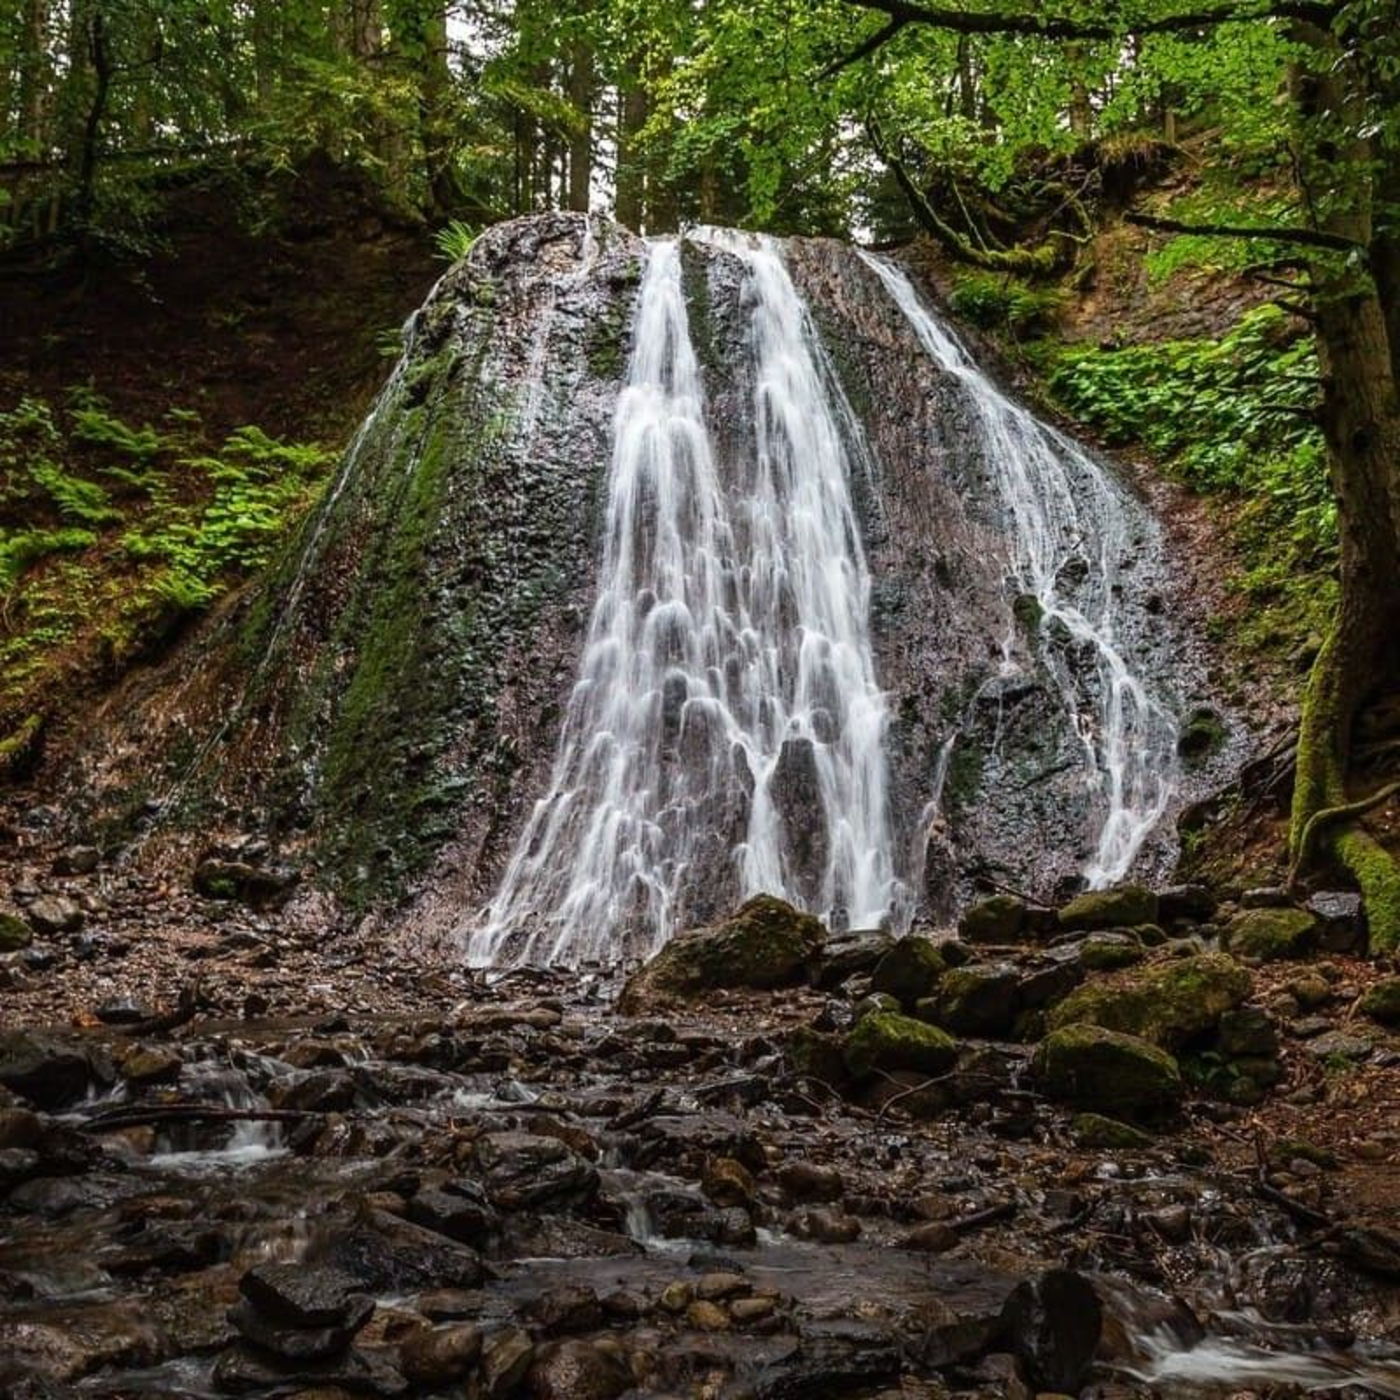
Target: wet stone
{"type": "Point", "coordinates": [295, 1295]}
{"type": "Point", "coordinates": [825, 1224]}
{"type": "Point", "coordinates": [506, 1357]}
{"type": "Point", "coordinates": [571, 1308]}
{"type": "Point", "coordinates": [523, 1171]}
{"type": "Point", "coordinates": [440, 1356]}
{"type": "Point", "coordinates": [55, 914]}
{"type": "Point", "coordinates": [1340, 1045]}
{"type": "Point", "coordinates": [299, 1342]}
{"type": "Point", "coordinates": [807, 1181]}
{"type": "Point", "coordinates": [577, 1370]}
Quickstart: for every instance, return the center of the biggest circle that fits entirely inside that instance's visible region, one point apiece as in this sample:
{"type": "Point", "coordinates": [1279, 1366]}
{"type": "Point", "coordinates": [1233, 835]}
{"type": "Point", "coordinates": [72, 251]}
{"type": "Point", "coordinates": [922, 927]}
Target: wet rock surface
{"type": "Point", "coordinates": [331, 1174]}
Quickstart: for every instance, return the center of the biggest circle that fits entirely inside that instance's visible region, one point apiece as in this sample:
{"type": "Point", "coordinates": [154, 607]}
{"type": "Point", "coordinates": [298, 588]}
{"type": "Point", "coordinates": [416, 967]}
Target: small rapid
{"type": "Point", "coordinates": [1071, 532]}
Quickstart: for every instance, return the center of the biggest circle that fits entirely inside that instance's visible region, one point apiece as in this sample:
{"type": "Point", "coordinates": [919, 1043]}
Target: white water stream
{"type": "Point", "coordinates": [1071, 530]}
{"type": "Point", "coordinates": [728, 651]}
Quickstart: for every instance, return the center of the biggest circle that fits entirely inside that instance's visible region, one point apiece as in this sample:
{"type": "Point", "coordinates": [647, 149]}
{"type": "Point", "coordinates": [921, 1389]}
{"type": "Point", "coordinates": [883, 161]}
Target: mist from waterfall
{"type": "Point", "coordinates": [1070, 534]}
{"type": "Point", "coordinates": [726, 729]}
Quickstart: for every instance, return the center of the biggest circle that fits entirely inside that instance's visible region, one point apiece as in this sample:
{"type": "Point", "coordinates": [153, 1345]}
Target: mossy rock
{"type": "Point", "coordinates": [891, 1042]}
{"type": "Point", "coordinates": [1000, 919]}
{"type": "Point", "coordinates": [978, 999]}
{"type": "Point", "coordinates": [1271, 935]}
{"type": "Point", "coordinates": [1093, 1130]}
{"type": "Point", "coordinates": [1107, 952]}
{"type": "Point", "coordinates": [910, 970]}
{"type": "Point", "coordinates": [765, 943]}
{"type": "Point", "coordinates": [1107, 909]}
{"type": "Point", "coordinates": [816, 1054]}
{"type": "Point", "coordinates": [14, 932]}
{"type": "Point", "coordinates": [1382, 1002]}
{"type": "Point", "coordinates": [1122, 1076]}
{"type": "Point", "coordinates": [1169, 1003]}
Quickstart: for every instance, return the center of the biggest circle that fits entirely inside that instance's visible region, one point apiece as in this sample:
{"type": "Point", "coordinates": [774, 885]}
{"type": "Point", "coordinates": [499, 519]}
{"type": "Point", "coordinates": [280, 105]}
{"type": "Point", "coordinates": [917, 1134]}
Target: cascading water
{"type": "Point", "coordinates": [726, 726]}
{"type": "Point", "coordinates": [1071, 529]}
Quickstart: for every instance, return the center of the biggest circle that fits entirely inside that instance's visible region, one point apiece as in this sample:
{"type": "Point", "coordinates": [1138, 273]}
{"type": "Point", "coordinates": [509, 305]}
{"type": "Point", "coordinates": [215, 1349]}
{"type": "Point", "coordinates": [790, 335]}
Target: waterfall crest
{"type": "Point", "coordinates": [725, 733]}
{"type": "Point", "coordinates": [1069, 534]}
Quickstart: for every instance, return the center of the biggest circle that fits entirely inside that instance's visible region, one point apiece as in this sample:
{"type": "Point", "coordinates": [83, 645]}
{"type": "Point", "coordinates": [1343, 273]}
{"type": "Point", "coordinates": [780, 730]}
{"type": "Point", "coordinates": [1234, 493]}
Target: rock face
{"type": "Point", "coordinates": [765, 943]}
{"type": "Point", "coordinates": [388, 704]}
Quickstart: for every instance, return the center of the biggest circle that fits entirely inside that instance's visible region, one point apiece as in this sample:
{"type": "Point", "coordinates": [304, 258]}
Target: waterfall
{"type": "Point", "coordinates": [1071, 528]}
{"type": "Point", "coordinates": [724, 736]}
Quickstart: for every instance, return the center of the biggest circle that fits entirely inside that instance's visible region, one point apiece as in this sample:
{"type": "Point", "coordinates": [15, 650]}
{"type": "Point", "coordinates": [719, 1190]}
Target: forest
{"type": "Point", "coordinates": [700, 698]}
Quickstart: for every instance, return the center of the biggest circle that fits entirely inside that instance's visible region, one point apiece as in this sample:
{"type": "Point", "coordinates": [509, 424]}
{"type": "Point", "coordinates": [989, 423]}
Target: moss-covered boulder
{"type": "Point", "coordinates": [765, 943]}
{"type": "Point", "coordinates": [1382, 1002]}
{"type": "Point", "coordinates": [889, 1041]}
{"type": "Point", "coordinates": [1093, 1130]}
{"type": "Point", "coordinates": [817, 1054]}
{"type": "Point", "coordinates": [1107, 1072]}
{"type": "Point", "coordinates": [1000, 919]}
{"type": "Point", "coordinates": [1107, 952]}
{"type": "Point", "coordinates": [1170, 1003]}
{"type": "Point", "coordinates": [909, 970]}
{"type": "Point", "coordinates": [1119, 908]}
{"type": "Point", "coordinates": [1271, 935]}
{"type": "Point", "coordinates": [14, 932]}
{"type": "Point", "coordinates": [978, 999]}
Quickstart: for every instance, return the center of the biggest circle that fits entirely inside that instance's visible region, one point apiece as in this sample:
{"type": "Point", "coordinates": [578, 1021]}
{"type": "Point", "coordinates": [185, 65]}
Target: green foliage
{"type": "Point", "coordinates": [454, 241]}
{"type": "Point", "coordinates": [84, 565]}
{"type": "Point", "coordinates": [1000, 302]}
{"type": "Point", "coordinates": [1230, 417]}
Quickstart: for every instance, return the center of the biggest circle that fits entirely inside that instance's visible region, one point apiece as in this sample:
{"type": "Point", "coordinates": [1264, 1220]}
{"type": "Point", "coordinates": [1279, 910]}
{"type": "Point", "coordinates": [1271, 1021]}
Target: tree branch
{"type": "Point", "coordinates": [1307, 237]}
{"type": "Point", "coordinates": [877, 40]}
{"type": "Point", "coordinates": [901, 13]}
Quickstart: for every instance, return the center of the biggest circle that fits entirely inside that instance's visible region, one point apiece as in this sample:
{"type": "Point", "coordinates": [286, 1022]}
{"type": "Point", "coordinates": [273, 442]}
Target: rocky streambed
{"type": "Point", "coordinates": [1087, 1151]}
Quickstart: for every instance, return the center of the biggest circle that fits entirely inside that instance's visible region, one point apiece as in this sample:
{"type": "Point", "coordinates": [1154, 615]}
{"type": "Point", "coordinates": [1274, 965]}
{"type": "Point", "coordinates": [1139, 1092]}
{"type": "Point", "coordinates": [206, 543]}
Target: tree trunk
{"type": "Point", "coordinates": [1360, 661]}
{"type": "Point", "coordinates": [581, 141]}
{"type": "Point", "coordinates": [631, 169]}
{"type": "Point", "coordinates": [35, 74]}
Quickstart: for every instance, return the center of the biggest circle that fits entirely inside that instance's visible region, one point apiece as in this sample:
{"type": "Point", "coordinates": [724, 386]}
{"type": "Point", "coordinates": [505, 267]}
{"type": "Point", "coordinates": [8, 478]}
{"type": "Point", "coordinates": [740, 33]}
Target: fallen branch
{"type": "Point", "coordinates": [190, 1000]}
{"type": "Point", "coordinates": [154, 1115]}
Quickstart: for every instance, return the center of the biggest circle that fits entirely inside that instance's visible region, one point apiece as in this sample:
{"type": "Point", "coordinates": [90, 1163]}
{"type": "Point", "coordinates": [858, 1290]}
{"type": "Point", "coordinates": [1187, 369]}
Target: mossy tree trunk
{"type": "Point", "coordinates": [1359, 356]}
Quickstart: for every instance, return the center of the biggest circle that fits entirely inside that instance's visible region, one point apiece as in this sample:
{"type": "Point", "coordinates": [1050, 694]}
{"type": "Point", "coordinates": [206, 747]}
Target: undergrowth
{"type": "Point", "coordinates": [110, 534]}
{"type": "Point", "coordinates": [1229, 418]}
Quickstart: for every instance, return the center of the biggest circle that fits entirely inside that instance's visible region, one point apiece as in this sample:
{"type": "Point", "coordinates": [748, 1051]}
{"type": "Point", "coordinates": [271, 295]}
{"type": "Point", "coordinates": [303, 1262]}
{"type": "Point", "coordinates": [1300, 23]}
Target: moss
{"type": "Point", "coordinates": [1105, 909]}
{"type": "Point", "coordinates": [886, 1040]}
{"type": "Point", "coordinates": [1171, 1004]}
{"type": "Point", "coordinates": [1028, 612]}
{"type": "Point", "coordinates": [1107, 1072]}
{"type": "Point", "coordinates": [909, 970]}
{"type": "Point", "coordinates": [1382, 1002]}
{"type": "Point", "coordinates": [1270, 935]}
{"type": "Point", "coordinates": [1202, 734]}
{"type": "Point", "coordinates": [1378, 877]}
{"type": "Point", "coordinates": [606, 346]}
{"type": "Point", "coordinates": [21, 747]}
{"type": "Point", "coordinates": [1106, 953]}
{"type": "Point", "coordinates": [1000, 919]}
{"type": "Point", "coordinates": [963, 784]}
{"type": "Point", "coordinates": [1093, 1130]}
{"type": "Point", "coordinates": [14, 932]}
{"type": "Point", "coordinates": [766, 943]}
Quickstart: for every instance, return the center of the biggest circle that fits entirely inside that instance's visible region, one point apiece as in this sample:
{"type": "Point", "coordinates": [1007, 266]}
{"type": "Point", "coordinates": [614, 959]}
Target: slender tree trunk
{"type": "Point", "coordinates": [35, 77]}
{"type": "Point", "coordinates": [631, 169]}
{"type": "Point", "coordinates": [581, 143]}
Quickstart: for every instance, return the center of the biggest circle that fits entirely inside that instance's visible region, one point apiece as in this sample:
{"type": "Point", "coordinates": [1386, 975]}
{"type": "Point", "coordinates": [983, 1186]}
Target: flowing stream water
{"type": "Point", "coordinates": [1072, 528]}
{"type": "Point", "coordinates": [728, 658]}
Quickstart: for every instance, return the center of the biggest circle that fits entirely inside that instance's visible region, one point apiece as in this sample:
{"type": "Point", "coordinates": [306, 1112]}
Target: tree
{"type": "Point", "coordinates": [1338, 61]}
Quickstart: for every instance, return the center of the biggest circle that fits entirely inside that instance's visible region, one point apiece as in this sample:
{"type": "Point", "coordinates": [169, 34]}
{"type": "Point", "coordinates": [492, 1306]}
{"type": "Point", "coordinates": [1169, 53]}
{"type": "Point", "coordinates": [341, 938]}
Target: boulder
{"type": "Point", "coordinates": [1270, 934]}
{"type": "Point", "coordinates": [55, 913]}
{"type": "Point", "coordinates": [1104, 909]}
{"type": "Point", "coordinates": [440, 1356]}
{"type": "Point", "coordinates": [239, 881]}
{"type": "Point", "coordinates": [1107, 1072]}
{"type": "Point", "coordinates": [1170, 1003]}
{"type": "Point", "coordinates": [300, 1295]}
{"type": "Point", "coordinates": [1000, 919]}
{"type": "Point", "coordinates": [978, 999]}
{"type": "Point", "coordinates": [1110, 950]}
{"type": "Point", "coordinates": [524, 1171]}
{"type": "Point", "coordinates": [578, 1370]}
{"type": "Point", "coordinates": [1186, 903]}
{"type": "Point", "coordinates": [888, 1041]}
{"type": "Point", "coordinates": [1382, 1002]}
{"type": "Point", "coordinates": [1341, 920]}
{"type": "Point", "coordinates": [852, 952]}
{"type": "Point", "coordinates": [506, 1357]}
{"type": "Point", "coordinates": [910, 970]}
{"type": "Point", "coordinates": [15, 934]}
{"type": "Point", "coordinates": [767, 943]}
{"type": "Point", "coordinates": [1052, 1324]}
{"type": "Point", "coordinates": [51, 1073]}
